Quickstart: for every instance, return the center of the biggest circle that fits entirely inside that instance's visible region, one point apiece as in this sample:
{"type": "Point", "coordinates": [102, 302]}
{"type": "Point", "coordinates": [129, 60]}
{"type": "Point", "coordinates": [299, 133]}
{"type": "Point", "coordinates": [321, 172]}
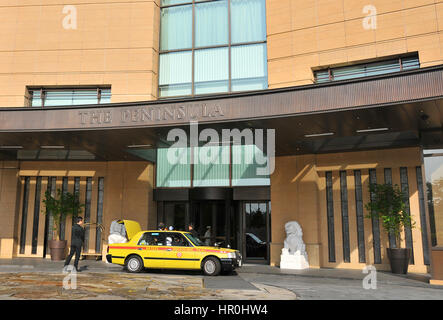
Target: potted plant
{"type": "Point", "coordinates": [64, 204]}
{"type": "Point", "coordinates": [388, 204]}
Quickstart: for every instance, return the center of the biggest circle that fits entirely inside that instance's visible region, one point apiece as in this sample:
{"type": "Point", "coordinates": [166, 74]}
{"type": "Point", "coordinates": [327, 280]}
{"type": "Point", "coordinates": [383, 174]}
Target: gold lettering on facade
{"type": "Point", "coordinates": [107, 117]}
{"type": "Point", "coordinates": [152, 114]}
{"type": "Point", "coordinates": [146, 114]}
{"type": "Point", "coordinates": [168, 112]}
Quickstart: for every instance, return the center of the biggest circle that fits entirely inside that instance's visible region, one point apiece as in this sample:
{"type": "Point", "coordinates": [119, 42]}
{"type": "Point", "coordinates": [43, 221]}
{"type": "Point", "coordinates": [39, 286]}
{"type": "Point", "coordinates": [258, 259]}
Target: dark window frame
{"type": "Point", "coordinates": [44, 89]}
{"type": "Point", "coordinates": [388, 60]}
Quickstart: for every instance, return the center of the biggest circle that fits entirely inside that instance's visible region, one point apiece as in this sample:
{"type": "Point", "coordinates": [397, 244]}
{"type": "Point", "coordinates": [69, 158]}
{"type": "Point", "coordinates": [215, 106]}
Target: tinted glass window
{"type": "Point", "coordinates": [152, 239]}
{"type": "Point", "coordinates": [211, 47]}
{"type": "Point", "coordinates": [176, 240]}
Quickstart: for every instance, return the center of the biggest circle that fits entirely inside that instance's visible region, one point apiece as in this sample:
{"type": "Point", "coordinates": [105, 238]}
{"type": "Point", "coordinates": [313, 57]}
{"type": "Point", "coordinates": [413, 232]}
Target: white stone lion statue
{"type": "Point", "coordinates": [294, 255]}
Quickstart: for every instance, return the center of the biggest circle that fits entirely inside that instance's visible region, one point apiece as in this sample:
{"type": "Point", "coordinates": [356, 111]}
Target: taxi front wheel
{"type": "Point", "coordinates": [134, 264]}
{"type": "Point", "coordinates": [211, 266]}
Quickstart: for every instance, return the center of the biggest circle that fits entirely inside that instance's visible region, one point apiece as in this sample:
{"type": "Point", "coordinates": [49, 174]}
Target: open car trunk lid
{"type": "Point", "coordinates": [132, 228]}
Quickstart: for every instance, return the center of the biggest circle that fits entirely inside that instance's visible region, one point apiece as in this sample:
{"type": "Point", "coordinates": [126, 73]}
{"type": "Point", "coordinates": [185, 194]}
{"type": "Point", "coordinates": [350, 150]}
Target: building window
{"type": "Point", "coordinates": [367, 69]}
{"type": "Point", "coordinates": [46, 97]}
{"type": "Point", "coordinates": [212, 46]}
{"type": "Point", "coordinates": [210, 166]}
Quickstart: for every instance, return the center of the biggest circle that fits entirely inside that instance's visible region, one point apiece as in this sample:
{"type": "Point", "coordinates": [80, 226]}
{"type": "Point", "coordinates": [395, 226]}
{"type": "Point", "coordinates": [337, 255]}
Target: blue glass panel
{"type": "Point", "coordinates": [245, 165]}
{"type": "Point", "coordinates": [80, 97]}
{"type": "Point", "coordinates": [211, 23]}
{"type": "Point", "coordinates": [322, 76]}
{"type": "Point", "coordinates": [383, 67]}
{"type": "Point", "coordinates": [349, 72]}
{"type": "Point", "coordinates": [175, 74]}
{"type": "Point", "coordinates": [211, 70]}
{"type": "Point", "coordinates": [410, 63]}
{"type": "Point", "coordinates": [212, 166]}
{"type": "Point", "coordinates": [248, 20]}
{"type": "Point", "coordinates": [36, 98]}
{"type": "Point", "coordinates": [176, 28]}
{"type": "Point", "coordinates": [171, 170]}
{"type": "Point", "coordinates": [59, 98]}
{"type": "Point", "coordinates": [105, 96]}
{"type": "Point", "coordinates": [249, 67]}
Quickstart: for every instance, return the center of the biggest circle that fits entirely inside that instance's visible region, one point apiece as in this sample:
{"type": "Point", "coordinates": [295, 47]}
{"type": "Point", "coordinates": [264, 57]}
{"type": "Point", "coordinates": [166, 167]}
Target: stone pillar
{"type": "Point", "coordinates": [9, 206]}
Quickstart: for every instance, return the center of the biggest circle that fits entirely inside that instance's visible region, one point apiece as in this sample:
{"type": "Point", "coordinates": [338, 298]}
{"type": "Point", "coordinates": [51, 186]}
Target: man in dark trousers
{"type": "Point", "coordinates": [77, 239]}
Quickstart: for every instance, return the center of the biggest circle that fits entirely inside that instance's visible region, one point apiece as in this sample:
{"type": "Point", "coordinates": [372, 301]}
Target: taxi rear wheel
{"type": "Point", "coordinates": [211, 266]}
{"type": "Point", "coordinates": [134, 264]}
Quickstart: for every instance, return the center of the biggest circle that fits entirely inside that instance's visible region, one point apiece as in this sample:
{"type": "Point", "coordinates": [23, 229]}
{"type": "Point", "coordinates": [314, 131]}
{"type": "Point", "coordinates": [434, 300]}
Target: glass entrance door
{"type": "Point", "coordinates": [175, 215]}
{"type": "Point", "coordinates": [209, 219]}
{"type": "Point", "coordinates": [256, 236]}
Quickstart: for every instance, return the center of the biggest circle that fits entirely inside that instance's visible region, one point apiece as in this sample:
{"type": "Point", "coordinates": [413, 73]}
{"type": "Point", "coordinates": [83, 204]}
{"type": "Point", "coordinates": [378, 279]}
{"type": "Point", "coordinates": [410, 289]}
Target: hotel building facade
{"type": "Point", "coordinates": [336, 95]}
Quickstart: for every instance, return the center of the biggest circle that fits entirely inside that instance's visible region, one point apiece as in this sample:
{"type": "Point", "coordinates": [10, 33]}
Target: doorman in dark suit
{"type": "Point", "coordinates": [77, 239]}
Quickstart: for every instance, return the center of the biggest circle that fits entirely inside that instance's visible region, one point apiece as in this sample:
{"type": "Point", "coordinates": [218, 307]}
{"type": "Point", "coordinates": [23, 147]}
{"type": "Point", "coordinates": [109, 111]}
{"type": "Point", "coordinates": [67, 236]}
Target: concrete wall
{"type": "Point", "coordinates": [307, 34]}
{"type": "Point", "coordinates": [298, 192]}
{"type": "Point", "coordinates": [115, 43]}
{"type": "Point", "coordinates": [127, 195]}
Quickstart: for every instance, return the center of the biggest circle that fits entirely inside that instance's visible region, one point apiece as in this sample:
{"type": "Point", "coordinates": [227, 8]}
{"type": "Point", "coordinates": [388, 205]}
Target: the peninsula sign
{"type": "Point", "coordinates": [150, 114]}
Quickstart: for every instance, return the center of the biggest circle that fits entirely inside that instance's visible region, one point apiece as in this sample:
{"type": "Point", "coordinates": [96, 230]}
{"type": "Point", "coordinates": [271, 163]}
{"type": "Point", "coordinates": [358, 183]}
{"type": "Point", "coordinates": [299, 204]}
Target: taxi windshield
{"type": "Point", "coordinates": [195, 241]}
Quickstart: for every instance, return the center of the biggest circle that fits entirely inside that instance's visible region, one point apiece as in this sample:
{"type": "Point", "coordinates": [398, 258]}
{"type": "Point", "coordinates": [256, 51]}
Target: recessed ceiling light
{"type": "Point", "coordinates": [11, 147]}
{"type": "Point", "coordinates": [319, 134]}
{"type": "Point", "coordinates": [52, 147]}
{"type": "Point", "coordinates": [139, 146]}
{"type": "Point", "coordinates": [372, 130]}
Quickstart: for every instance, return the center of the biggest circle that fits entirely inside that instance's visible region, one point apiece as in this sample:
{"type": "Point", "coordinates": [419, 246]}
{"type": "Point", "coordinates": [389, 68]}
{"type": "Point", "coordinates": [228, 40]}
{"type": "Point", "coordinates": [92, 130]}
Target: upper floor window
{"type": "Point", "coordinates": [45, 97]}
{"type": "Point", "coordinates": [212, 46]}
{"type": "Point", "coordinates": [367, 69]}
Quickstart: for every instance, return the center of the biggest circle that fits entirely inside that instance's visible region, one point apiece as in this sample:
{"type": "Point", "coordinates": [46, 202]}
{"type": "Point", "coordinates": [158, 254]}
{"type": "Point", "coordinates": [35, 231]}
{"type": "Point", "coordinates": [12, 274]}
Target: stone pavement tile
{"type": "Point", "coordinates": [123, 286]}
{"type": "Point", "coordinates": [411, 279]}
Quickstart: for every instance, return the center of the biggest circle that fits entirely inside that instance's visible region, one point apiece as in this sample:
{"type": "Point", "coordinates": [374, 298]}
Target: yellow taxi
{"type": "Point", "coordinates": [169, 250]}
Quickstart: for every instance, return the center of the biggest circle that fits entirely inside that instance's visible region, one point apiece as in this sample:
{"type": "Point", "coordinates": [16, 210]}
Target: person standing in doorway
{"type": "Point", "coordinates": [207, 236]}
{"type": "Point", "coordinates": [192, 231]}
{"type": "Point", "coordinates": [77, 239]}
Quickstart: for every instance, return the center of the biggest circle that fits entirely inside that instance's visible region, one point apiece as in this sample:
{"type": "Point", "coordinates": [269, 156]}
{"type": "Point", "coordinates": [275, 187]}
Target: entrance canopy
{"type": "Point", "coordinates": [394, 110]}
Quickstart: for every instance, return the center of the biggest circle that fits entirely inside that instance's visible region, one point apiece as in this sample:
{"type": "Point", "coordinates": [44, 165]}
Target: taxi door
{"type": "Point", "coordinates": [178, 253]}
{"type": "Point", "coordinates": [151, 245]}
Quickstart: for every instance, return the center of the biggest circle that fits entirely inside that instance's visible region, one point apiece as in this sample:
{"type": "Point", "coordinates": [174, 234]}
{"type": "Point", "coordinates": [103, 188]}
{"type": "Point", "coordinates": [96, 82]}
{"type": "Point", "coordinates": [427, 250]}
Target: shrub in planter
{"type": "Point", "coordinates": [64, 204]}
{"type": "Point", "coordinates": [388, 204]}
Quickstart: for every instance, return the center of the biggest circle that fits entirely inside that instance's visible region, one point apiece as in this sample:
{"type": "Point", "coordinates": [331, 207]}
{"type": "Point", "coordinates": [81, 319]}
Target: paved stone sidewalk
{"type": "Point", "coordinates": [322, 288]}
{"type": "Point", "coordinates": [28, 278]}
{"type": "Point", "coordinates": [39, 278]}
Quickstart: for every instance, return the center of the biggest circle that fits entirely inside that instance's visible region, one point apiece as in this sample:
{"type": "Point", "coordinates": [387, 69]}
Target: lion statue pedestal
{"type": "Point", "coordinates": [294, 254]}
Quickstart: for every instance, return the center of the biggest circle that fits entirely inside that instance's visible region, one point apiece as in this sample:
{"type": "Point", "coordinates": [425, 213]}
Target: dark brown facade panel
{"type": "Point", "coordinates": [171, 194]}
{"type": "Point", "coordinates": [87, 218]}
{"type": "Point", "coordinates": [421, 84]}
{"type": "Point", "coordinates": [63, 220]}
{"type": "Point", "coordinates": [375, 223]}
{"type": "Point", "coordinates": [423, 220]}
{"type": "Point", "coordinates": [36, 221]}
{"type": "Point", "coordinates": [388, 180]}
{"type": "Point", "coordinates": [100, 199]}
{"type": "Point", "coordinates": [330, 217]}
{"type": "Point", "coordinates": [404, 185]}
{"type": "Point", "coordinates": [24, 215]}
{"type": "Point", "coordinates": [49, 221]}
{"type": "Point", "coordinates": [252, 193]}
{"type": "Point", "coordinates": [344, 217]}
{"type": "Point", "coordinates": [359, 216]}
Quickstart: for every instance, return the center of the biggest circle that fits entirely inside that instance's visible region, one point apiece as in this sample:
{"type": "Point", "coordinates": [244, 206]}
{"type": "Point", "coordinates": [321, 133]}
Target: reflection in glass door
{"type": "Point", "coordinates": [256, 231]}
{"type": "Point", "coordinates": [175, 215]}
{"type": "Point", "coordinates": [209, 220]}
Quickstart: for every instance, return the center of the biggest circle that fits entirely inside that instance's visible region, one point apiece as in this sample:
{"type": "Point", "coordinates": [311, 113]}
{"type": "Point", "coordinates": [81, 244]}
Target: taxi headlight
{"type": "Point", "coordinates": [231, 255]}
